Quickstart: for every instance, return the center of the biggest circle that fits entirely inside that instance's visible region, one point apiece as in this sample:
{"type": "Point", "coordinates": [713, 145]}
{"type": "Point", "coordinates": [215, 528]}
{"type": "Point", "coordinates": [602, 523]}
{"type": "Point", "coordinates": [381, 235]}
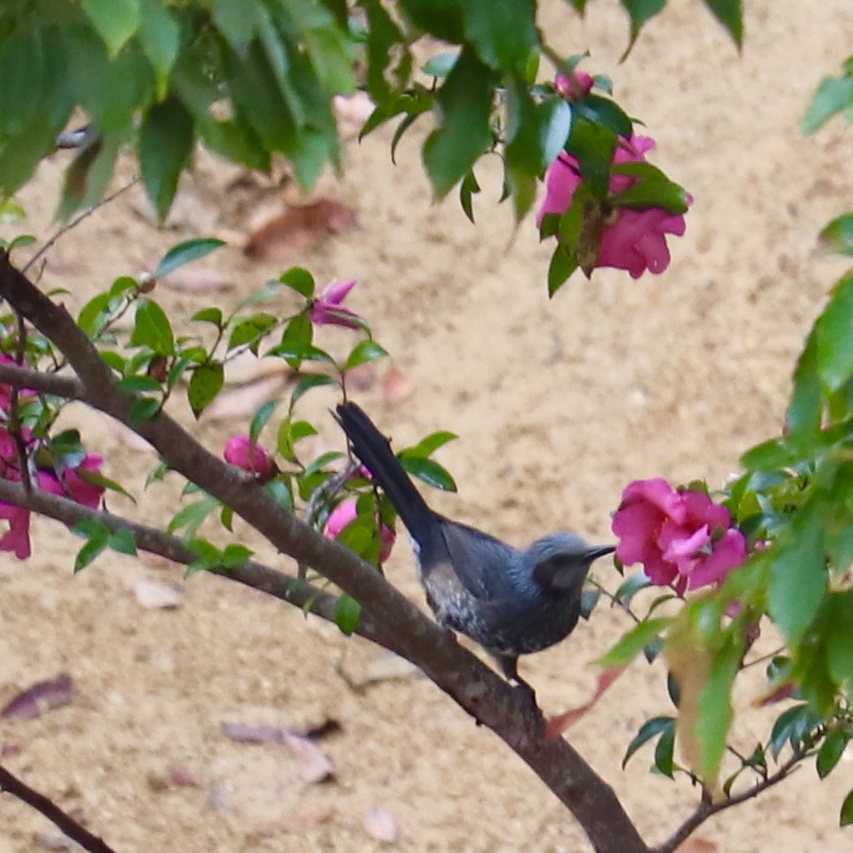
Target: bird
{"type": "Point", "coordinates": [511, 602]}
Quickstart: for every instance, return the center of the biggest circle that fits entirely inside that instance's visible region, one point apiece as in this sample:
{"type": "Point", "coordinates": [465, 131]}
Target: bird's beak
{"type": "Point", "coordinates": [599, 551]}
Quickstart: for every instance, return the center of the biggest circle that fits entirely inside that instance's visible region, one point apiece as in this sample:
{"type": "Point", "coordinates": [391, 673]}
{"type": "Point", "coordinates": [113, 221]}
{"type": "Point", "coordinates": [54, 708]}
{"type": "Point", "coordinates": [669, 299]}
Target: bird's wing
{"type": "Point", "coordinates": [481, 562]}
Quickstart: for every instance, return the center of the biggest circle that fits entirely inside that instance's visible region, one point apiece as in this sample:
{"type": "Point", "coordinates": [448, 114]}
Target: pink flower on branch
{"type": "Point", "coordinates": [630, 239]}
{"type": "Point", "coordinates": [574, 85]}
{"type": "Point", "coordinates": [240, 451]}
{"type": "Point", "coordinates": [681, 537]}
{"type": "Point", "coordinates": [344, 514]}
{"type": "Point", "coordinates": [326, 308]}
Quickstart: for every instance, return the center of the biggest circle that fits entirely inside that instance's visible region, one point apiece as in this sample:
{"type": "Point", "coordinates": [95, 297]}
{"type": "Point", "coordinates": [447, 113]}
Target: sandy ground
{"type": "Point", "coordinates": [557, 405]}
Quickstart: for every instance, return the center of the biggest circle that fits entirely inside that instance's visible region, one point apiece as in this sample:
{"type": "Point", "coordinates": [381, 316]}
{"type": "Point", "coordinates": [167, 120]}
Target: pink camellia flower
{"type": "Point", "coordinates": [17, 538]}
{"type": "Point", "coordinates": [326, 308]}
{"type": "Point", "coordinates": [635, 240]}
{"type": "Point", "coordinates": [344, 514]}
{"type": "Point", "coordinates": [256, 460]}
{"type": "Point", "coordinates": [681, 538]}
{"type": "Point", "coordinates": [574, 85]}
{"type": "Point", "coordinates": [78, 488]}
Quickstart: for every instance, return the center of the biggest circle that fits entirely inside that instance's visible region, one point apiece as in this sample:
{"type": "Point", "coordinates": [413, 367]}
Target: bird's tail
{"type": "Point", "coordinates": [374, 450]}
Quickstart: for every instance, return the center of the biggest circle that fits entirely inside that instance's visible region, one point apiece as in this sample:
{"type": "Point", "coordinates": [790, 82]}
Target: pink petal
{"type": "Point", "coordinates": [636, 525]}
{"type": "Point", "coordinates": [659, 492]}
{"type": "Point", "coordinates": [335, 293]}
{"type": "Point", "coordinates": [678, 542]}
{"type": "Point", "coordinates": [561, 181]}
{"type": "Point", "coordinates": [729, 552]}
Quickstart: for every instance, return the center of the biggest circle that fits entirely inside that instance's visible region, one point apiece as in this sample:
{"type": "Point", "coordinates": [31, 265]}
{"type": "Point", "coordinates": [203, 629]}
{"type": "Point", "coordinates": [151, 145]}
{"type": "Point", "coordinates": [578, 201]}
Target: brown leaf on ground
{"type": "Point", "coordinates": [244, 400]}
{"type": "Point", "coordinates": [397, 387]}
{"type": "Point", "coordinates": [380, 824]}
{"type": "Point", "coordinates": [298, 231]}
{"type": "Point", "coordinates": [314, 764]}
{"type": "Point", "coordinates": [42, 696]}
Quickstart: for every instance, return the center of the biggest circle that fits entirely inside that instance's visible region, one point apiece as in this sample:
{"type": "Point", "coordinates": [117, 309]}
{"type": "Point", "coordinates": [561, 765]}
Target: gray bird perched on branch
{"type": "Point", "coordinates": [511, 602]}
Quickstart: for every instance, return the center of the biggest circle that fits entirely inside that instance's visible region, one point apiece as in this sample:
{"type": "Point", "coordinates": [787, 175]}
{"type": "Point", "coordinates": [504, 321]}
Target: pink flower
{"type": "Point", "coordinates": [633, 240]}
{"type": "Point", "coordinates": [17, 538]}
{"type": "Point", "coordinates": [681, 538]}
{"type": "Point", "coordinates": [326, 309]}
{"type": "Point", "coordinates": [78, 488]}
{"type": "Point", "coordinates": [254, 459]}
{"type": "Point", "coordinates": [344, 514]}
{"type": "Point", "coordinates": [574, 85]}
{"type": "Point", "coordinates": [6, 390]}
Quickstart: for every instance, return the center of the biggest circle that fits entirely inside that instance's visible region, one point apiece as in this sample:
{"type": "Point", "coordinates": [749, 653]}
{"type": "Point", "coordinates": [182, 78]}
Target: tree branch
{"type": "Point", "coordinates": [707, 809]}
{"type": "Point", "coordinates": [70, 827]}
{"type": "Point", "coordinates": [400, 626]}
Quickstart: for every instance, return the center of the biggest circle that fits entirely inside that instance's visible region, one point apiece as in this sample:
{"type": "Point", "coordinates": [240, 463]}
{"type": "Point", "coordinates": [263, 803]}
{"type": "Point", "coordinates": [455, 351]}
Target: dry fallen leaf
{"type": "Point", "coordinates": [197, 279]}
{"type": "Point", "coordinates": [397, 387]}
{"type": "Point", "coordinates": [244, 400]}
{"type": "Point", "coordinates": [156, 595]}
{"type": "Point", "coordinates": [380, 824]}
{"type": "Point", "coordinates": [42, 696]}
{"type": "Point", "coordinates": [314, 764]}
{"type": "Point", "coordinates": [298, 231]}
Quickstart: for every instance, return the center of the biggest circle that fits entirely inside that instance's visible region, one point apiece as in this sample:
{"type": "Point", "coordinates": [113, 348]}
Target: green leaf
{"type": "Point", "coordinates": [300, 280]}
{"type": "Point", "coordinates": [152, 329]}
{"type": "Point", "coordinates": [503, 32]}
{"type": "Point", "coordinates": [839, 639]}
{"type": "Point", "coordinates": [160, 35]}
{"type": "Point", "coordinates": [184, 253]}
{"type": "Point", "coordinates": [209, 315]}
{"type": "Point", "coordinates": [791, 727]}
{"type": "Point", "coordinates": [123, 541]}
{"type": "Point", "coordinates": [427, 446]}
{"type": "Point", "coordinates": [191, 516]}
{"type": "Point", "coordinates": [834, 330]}
{"type": "Point", "coordinates": [138, 384]}
{"type": "Point", "coordinates": [205, 383]}
{"type": "Point", "coordinates": [640, 12]}
{"type": "Point", "coordinates": [237, 20]}
{"type": "Point", "coordinates": [262, 416]}
{"type": "Point", "coordinates": [664, 752]}
{"type": "Point", "coordinates": [605, 113]}
{"type": "Point", "coordinates": [98, 535]}
{"type": "Point", "coordinates": [561, 267]}
{"type": "Point", "coordinates": [143, 409]}
{"type": "Point", "coordinates": [364, 352]}
{"type": "Point", "coordinates": [830, 752]}
{"type": "Point", "coordinates": [467, 189]}
{"type": "Point", "coordinates": [429, 471]}
{"type": "Point", "coordinates": [296, 340]}
{"type": "Point", "coordinates": [730, 14]}
{"type": "Point", "coordinates": [95, 479]}
{"type": "Point", "coordinates": [116, 21]}
{"type": "Point", "coordinates": [165, 146]}
{"type": "Point", "coordinates": [464, 131]}
{"type": "Point", "coordinates": [289, 432]}
{"type": "Point", "coordinates": [555, 123]}
{"type": "Point", "coordinates": [235, 555]}
{"type": "Point", "coordinates": [837, 237]}
{"type": "Point", "coordinates": [309, 381]}
{"type": "Point", "coordinates": [804, 410]}
{"type": "Point", "coordinates": [650, 729]}
{"type": "Point", "coordinates": [798, 575]}
{"type": "Point", "coordinates": [834, 95]}
{"type": "Point", "coordinates": [630, 587]}
{"type": "Point", "coordinates": [634, 642]}
{"type": "Point", "coordinates": [441, 64]}
{"type": "Point", "coordinates": [653, 193]}
{"type": "Point", "coordinates": [10, 212]}
{"type": "Point", "coordinates": [347, 614]}
{"type": "Point", "coordinates": [251, 330]}
{"type": "Point", "coordinates": [846, 817]}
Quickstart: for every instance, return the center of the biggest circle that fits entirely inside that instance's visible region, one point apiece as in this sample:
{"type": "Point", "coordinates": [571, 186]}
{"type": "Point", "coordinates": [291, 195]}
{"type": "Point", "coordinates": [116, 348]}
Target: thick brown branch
{"type": "Point", "coordinates": [44, 383]}
{"type": "Point", "coordinates": [400, 626]}
{"type": "Point", "coordinates": [75, 831]}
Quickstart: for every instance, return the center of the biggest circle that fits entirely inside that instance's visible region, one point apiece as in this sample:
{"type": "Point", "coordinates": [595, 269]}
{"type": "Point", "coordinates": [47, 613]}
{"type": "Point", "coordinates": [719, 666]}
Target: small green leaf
{"type": "Point", "coordinates": [191, 516]}
{"type": "Point", "coordinates": [651, 192]}
{"type": "Point", "coordinates": [205, 383]}
{"type": "Point", "coordinates": [630, 587]}
{"type": "Point", "coordinates": [160, 36]}
{"type": "Point", "coordinates": [429, 471]}
{"type": "Point", "coordinates": [94, 315]}
{"type": "Point", "coordinates": [95, 479]}
{"type": "Point", "coordinates": [300, 280]}
{"type": "Point", "coordinates": [115, 21]}
{"type": "Point", "coordinates": [440, 65]}
{"type": "Point", "coordinates": [467, 189]}
{"type": "Point", "coordinates": [503, 34]}
{"type": "Point", "coordinates": [640, 12]}
{"type": "Point", "coordinates": [123, 541]}
{"type": "Point", "coordinates": [730, 14]}
{"type": "Point", "coordinates": [846, 817]}
{"type": "Point", "coordinates": [235, 555]}
{"type": "Point", "coordinates": [165, 145]}
{"type": "Point", "coordinates": [262, 416]}
{"type": "Point", "coordinates": [309, 381]}
{"type": "Point", "coordinates": [798, 575]}
{"type": "Point", "coordinates": [152, 329]}
{"type": "Point", "coordinates": [98, 542]}
{"type": "Point", "coordinates": [184, 253]}
{"type": "Point", "coordinates": [10, 211]}
{"type": "Point", "coordinates": [830, 752]}
{"type": "Point", "coordinates": [364, 352]}
{"type": "Point", "coordinates": [21, 242]}
{"type": "Point", "coordinates": [251, 330]}
{"type": "Point", "coordinates": [665, 750]}
{"type": "Point", "coordinates": [634, 642]}
{"type": "Point", "coordinates": [427, 446]}
{"type": "Point", "coordinates": [834, 95]}
{"type": "Point", "coordinates": [834, 331]}
{"type": "Point", "coordinates": [837, 237]}
{"type": "Point", "coordinates": [555, 123]}
{"type": "Point", "coordinates": [209, 315]}
{"type": "Point", "coordinates": [562, 265]}
{"type": "Point", "coordinates": [347, 614]}
{"type": "Point", "coordinates": [143, 409]}
{"type": "Point", "coordinates": [139, 384]}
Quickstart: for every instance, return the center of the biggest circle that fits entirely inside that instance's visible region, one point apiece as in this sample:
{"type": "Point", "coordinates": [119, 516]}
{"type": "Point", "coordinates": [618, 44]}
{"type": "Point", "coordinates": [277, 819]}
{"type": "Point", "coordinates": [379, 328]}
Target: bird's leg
{"type": "Point", "coordinates": [509, 667]}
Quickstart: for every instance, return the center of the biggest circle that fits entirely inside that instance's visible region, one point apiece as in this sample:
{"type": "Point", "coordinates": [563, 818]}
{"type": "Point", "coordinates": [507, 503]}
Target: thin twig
{"type": "Point", "coordinates": [70, 827]}
{"type": "Point", "coordinates": [76, 221]}
{"type": "Point", "coordinates": [45, 383]}
{"type": "Point", "coordinates": [616, 602]}
{"type": "Point", "coordinates": [14, 410]}
{"type": "Point", "coordinates": [707, 809]}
